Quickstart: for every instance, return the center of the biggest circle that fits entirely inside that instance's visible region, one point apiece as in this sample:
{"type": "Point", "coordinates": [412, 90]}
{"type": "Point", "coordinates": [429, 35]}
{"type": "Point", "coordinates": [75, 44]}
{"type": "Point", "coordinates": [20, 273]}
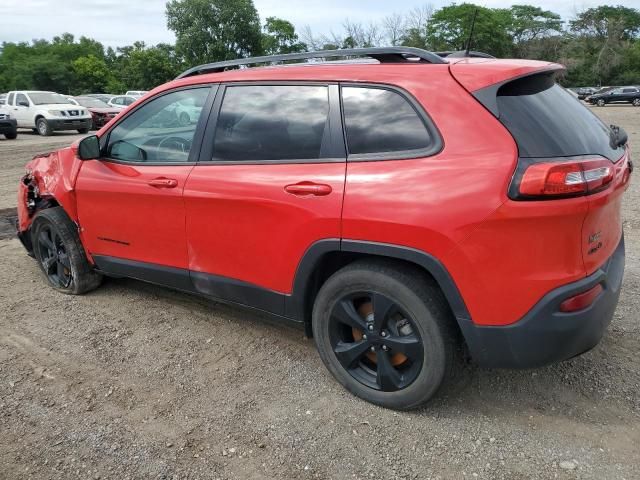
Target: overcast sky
{"type": "Point", "coordinates": [121, 22]}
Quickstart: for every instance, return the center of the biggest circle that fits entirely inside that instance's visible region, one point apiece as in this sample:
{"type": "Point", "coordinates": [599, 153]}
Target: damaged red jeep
{"type": "Point", "coordinates": [404, 208]}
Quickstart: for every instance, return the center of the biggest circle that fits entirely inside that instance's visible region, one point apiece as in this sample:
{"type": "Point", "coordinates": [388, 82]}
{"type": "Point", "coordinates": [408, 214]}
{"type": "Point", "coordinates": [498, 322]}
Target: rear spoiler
{"type": "Point", "coordinates": [483, 79]}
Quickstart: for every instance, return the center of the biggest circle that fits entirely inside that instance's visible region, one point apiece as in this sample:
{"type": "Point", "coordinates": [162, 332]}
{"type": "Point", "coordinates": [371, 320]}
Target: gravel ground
{"type": "Point", "coordinates": [137, 381]}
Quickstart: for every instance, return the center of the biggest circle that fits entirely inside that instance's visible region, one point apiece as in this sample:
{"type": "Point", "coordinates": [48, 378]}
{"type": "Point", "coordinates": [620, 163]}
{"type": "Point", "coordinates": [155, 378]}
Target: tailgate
{"type": "Point", "coordinates": [602, 226]}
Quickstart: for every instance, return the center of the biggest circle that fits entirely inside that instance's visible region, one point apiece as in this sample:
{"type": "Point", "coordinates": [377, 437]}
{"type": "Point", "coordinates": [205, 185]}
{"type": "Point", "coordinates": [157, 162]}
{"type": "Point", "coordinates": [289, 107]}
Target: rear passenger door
{"type": "Point", "coordinates": [269, 184]}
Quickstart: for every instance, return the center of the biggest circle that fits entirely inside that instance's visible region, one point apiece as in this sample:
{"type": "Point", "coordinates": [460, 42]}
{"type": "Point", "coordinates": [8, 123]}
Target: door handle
{"type": "Point", "coordinates": [163, 182]}
{"type": "Point", "coordinates": [308, 188]}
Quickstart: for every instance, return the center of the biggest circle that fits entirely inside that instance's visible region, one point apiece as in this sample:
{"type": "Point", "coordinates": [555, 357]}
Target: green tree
{"type": "Point", "coordinates": [140, 67]}
{"type": "Point", "coordinates": [92, 75]}
{"type": "Point", "coordinates": [622, 23]}
{"type": "Point", "coordinates": [213, 30]}
{"type": "Point", "coordinates": [601, 41]}
{"type": "Point", "coordinates": [279, 36]}
{"type": "Point", "coordinates": [449, 29]}
{"type": "Point", "coordinates": [529, 23]}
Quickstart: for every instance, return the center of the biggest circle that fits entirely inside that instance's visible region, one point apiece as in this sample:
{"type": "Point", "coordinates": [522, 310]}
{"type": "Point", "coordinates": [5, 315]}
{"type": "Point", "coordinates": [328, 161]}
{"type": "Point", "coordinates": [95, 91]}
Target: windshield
{"type": "Point", "coordinates": [46, 98]}
{"type": "Point", "coordinates": [546, 121]}
{"type": "Point", "coordinates": [91, 102]}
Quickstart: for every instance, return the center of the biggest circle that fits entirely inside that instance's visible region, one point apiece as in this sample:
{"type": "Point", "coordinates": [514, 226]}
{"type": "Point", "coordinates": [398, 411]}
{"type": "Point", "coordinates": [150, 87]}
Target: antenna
{"type": "Point", "coordinates": [473, 24]}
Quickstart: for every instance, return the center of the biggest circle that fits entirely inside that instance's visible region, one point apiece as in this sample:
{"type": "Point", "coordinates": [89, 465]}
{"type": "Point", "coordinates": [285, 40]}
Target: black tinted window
{"type": "Point", "coordinates": [546, 121]}
{"type": "Point", "coordinates": [272, 122]}
{"type": "Point", "coordinates": [379, 121]}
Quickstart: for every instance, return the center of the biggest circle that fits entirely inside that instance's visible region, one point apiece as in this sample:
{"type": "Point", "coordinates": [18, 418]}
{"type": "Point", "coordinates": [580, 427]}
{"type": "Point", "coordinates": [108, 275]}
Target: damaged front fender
{"type": "Point", "coordinates": [49, 181]}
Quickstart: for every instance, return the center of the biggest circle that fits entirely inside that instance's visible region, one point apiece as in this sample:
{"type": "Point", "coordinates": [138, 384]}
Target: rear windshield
{"type": "Point", "coordinates": [547, 121]}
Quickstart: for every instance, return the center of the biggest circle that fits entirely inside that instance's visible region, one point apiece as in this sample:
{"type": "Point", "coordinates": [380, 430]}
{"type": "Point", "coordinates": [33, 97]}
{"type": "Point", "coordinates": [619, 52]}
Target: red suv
{"type": "Point", "coordinates": [404, 209]}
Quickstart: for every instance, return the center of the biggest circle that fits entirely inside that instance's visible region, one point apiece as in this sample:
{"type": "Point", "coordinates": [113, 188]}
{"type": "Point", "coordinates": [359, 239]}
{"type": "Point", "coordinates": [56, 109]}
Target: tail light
{"type": "Point", "coordinates": [547, 178]}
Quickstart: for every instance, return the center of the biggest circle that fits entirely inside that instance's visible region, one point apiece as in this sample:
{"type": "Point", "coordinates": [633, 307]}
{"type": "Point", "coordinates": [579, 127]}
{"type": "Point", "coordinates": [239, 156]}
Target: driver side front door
{"type": "Point", "coordinates": [130, 206]}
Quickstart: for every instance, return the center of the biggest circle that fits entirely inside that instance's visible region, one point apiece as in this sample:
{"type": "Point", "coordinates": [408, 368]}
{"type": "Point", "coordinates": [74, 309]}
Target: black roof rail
{"type": "Point", "coordinates": [382, 54]}
{"type": "Point", "coordinates": [463, 54]}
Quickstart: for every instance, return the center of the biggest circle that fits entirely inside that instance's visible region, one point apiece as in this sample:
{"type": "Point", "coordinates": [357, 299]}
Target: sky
{"type": "Point", "coordinates": [121, 22]}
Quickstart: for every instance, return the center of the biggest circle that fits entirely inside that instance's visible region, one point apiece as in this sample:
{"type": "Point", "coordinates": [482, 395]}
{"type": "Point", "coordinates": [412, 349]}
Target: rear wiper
{"type": "Point", "coordinates": [617, 136]}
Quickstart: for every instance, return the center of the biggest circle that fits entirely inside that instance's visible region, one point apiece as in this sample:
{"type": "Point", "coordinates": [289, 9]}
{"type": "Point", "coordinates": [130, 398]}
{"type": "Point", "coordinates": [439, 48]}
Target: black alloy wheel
{"type": "Point", "coordinates": [53, 256]}
{"type": "Point", "coordinates": [376, 341]}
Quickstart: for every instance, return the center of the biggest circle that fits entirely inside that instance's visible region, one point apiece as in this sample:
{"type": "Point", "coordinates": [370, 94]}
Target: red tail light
{"type": "Point", "coordinates": [541, 179]}
{"type": "Point", "coordinates": [581, 301]}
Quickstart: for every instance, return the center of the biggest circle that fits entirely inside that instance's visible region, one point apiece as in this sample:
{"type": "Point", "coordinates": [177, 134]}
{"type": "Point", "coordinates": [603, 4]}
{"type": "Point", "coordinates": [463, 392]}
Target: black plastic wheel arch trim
{"type": "Point", "coordinates": [298, 307]}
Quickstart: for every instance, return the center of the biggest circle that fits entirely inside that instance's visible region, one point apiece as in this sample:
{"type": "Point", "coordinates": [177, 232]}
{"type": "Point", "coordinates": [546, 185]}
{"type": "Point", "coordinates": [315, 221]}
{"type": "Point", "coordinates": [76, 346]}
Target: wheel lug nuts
{"type": "Point", "coordinates": [385, 348]}
{"type": "Point", "coordinates": [364, 337]}
{"type": "Point", "coordinates": [370, 327]}
{"type": "Point", "coordinates": [384, 334]}
{"type": "Point", "coordinates": [373, 349]}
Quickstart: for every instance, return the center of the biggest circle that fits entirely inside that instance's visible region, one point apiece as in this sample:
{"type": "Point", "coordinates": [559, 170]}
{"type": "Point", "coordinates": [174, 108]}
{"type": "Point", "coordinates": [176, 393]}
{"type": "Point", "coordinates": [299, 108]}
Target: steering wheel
{"type": "Point", "coordinates": [173, 149]}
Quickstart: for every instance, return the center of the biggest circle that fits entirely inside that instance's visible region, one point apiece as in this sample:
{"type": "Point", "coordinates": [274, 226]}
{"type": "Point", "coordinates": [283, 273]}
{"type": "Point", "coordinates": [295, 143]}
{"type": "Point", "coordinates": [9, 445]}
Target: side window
{"type": "Point", "coordinates": [127, 101]}
{"type": "Point", "coordinates": [630, 90]}
{"type": "Point", "coordinates": [116, 101]}
{"type": "Point", "coordinates": [379, 120]}
{"type": "Point", "coordinates": [272, 122]}
{"type": "Point", "coordinates": [21, 98]}
{"type": "Point", "coordinates": [10, 99]}
{"type": "Point", "coordinates": [158, 131]}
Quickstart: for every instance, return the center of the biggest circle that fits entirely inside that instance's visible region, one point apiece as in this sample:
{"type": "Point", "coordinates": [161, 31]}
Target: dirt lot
{"type": "Point", "coordinates": [137, 381]}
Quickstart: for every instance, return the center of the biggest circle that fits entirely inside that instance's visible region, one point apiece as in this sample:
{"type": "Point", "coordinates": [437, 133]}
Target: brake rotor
{"type": "Point", "coordinates": [365, 310]}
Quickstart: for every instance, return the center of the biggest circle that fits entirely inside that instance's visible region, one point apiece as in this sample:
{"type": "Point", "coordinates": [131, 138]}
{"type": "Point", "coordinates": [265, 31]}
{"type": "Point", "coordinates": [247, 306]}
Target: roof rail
{"type": "Point", "coordinates": [463, 54]}
{"type": "Point", "coordinates": [382, 54]}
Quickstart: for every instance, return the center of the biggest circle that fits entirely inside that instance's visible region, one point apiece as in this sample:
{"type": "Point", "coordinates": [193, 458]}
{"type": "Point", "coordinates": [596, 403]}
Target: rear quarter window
{"type": "Point", "coordinates": [547, 121]}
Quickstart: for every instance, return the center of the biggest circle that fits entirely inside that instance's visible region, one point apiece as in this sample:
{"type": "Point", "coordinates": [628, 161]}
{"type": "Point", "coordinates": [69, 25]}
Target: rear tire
{"type": "Point", "coordinates": [57, 248]}
{"type": "Point", "coordinates": [413, 340]}
{"type": "Point", "coordinates": [601, 103]}
{"type": "Point", "coordinates": [636, 102]}
{"type": "Point", "coordinates": [11, 136]}
{"type": "Point", "coordinates": [83, 130]}
{"type": "Point", "coordinates": [44, 128]}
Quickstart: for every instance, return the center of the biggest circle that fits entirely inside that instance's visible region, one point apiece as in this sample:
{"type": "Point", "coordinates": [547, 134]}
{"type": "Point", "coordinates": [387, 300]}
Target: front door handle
{"type": "Point", "coordinates": [308, 188]}
{"type": "Point", "coordinates": [163, 182]}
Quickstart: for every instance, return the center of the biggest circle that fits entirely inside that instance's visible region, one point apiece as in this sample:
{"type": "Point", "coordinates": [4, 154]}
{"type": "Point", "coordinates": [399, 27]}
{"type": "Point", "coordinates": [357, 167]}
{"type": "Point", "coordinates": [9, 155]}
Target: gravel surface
{"type": "Point", "coordinates": [137, 381]}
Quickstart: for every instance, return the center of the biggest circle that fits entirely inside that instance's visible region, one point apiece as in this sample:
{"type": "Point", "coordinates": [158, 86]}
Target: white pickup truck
{"type": "Point", "coordinates": [46, 112]}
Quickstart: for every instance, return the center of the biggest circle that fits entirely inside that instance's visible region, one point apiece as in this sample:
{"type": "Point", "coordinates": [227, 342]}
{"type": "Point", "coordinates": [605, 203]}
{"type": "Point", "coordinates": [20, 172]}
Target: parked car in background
{"type": "Point", "coordinates": [136, 93]}
{"type": "Point", "coordinates": [401, 212]}
{"type": "Point", "coordinates": [46, 112]}
{"type": "Point", "coordinates": [584, 92]}
{"type": "Point", "coordinates": [8, 126]}
{"type": "Point", "coordinates": [3, 98]}
{"type": "Point", "coordinates": [72, 100]}
{"type": "Point", "coordinates": [101, 112]}
{"type": "Point", "coordinates": [617, 95]}
{"type": "Point", "coordinates": [105, 97]}
{"type": "Point", "coordinates": [122, 101]}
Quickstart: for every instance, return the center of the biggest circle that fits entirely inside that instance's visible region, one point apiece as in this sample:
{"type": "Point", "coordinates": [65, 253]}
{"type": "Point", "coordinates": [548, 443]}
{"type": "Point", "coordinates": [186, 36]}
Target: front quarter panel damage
{"type": "Point", "coordinates": [50, 180]}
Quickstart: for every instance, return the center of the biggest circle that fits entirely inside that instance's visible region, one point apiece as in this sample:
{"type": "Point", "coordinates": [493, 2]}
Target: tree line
{"type": "Point", "coordinates": [600, 46]}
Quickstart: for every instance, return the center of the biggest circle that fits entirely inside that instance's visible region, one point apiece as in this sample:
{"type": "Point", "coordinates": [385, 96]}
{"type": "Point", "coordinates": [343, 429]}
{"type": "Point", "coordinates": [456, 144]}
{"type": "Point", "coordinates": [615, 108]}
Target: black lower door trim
{"type": "Point", "coordinates": [218, 288]}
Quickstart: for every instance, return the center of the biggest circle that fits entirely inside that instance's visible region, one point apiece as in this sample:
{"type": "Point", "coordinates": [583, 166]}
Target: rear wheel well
{"type": "Point", "coordinates": [333, 261]}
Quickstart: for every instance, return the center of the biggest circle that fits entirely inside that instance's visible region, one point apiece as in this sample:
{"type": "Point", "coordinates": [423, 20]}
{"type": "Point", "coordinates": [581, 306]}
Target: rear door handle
{"type": "Point", "coordinates": [308, 188]}
{"type": "Point", "coordinates": [163, 182]}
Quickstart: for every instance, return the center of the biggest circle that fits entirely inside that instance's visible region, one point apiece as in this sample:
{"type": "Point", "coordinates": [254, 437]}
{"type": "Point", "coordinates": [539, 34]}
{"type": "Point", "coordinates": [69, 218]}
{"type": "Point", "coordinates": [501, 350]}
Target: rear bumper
{"type": "Point", "coordinates": [546, 335]}
{"type": "Point", "coordinates": [75, 124]}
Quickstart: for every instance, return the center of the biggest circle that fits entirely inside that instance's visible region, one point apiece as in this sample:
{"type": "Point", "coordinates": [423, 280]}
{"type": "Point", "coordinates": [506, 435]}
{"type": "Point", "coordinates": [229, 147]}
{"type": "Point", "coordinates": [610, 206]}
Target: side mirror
{"type": "Point", "coordinates": [89, 148]}
{"type": "Point", "coordinates": [22, 103]}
